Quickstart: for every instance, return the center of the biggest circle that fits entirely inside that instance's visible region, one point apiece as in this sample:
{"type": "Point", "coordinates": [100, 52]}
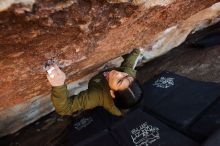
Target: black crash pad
{"type": "Point", "coordinates": [139, 128]}
{"type": "Point", "coordinates": [100, 139]}
{"type": "Point", "coordinates": [178, 99]}
{"type": "Point", "coordinates": [213, 140]}
{"type": "Point", "coordinates": [88, 124]}
{"type": "Point", "coordinates": [208, 122]}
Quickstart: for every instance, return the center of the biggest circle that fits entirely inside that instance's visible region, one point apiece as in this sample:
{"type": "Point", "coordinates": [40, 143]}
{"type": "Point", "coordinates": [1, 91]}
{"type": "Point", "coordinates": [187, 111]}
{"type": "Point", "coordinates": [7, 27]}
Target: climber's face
{"type": "Point", "coordinates": [118, 80]}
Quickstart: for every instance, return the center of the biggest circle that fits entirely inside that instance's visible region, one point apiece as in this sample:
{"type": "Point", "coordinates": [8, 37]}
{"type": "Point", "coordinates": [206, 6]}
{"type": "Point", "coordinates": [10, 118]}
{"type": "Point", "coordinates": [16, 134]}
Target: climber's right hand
{"type": "Point", "coordinates": [55, 75]}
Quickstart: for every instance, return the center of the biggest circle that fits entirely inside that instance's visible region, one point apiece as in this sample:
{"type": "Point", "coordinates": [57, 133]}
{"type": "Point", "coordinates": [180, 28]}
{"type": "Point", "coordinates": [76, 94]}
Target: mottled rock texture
{"type": "Point", "coordinates": [202, 64]}
{"type": "Point", "coordinates": [81, 36]}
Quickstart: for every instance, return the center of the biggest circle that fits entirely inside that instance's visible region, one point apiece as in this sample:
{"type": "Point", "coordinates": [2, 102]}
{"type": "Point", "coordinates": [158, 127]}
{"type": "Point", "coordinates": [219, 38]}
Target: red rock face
{"type": "Point", "coordinates": [70, 36]}
{"type": "Point", "coordinates": [80, 36]}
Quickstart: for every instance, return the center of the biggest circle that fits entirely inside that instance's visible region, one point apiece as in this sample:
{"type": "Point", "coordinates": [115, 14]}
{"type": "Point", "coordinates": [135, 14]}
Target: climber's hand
{"type": "Point", "coordinates": [55, 76]}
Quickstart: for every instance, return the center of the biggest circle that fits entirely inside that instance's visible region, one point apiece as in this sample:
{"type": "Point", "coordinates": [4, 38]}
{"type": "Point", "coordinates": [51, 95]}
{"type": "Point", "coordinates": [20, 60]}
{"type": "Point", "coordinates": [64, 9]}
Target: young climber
{"type": "Point", "coordinates": [112, 89]}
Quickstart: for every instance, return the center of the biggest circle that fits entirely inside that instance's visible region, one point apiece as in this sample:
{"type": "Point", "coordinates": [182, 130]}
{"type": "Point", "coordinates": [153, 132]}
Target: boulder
{"type": "Point", "coordinates": [83, 37]}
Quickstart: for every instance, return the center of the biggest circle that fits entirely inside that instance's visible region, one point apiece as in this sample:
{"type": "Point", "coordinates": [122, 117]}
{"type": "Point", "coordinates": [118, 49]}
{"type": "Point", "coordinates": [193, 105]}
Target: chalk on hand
{"type": "Point", "coordinates": [49, 71]}
{"type": "Point", "coordinates": [51, 75]}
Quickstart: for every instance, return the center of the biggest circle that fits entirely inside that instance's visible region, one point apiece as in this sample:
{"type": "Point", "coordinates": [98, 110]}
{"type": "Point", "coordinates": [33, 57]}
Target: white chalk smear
{"type": "Point", "coordinates": [49, 71]}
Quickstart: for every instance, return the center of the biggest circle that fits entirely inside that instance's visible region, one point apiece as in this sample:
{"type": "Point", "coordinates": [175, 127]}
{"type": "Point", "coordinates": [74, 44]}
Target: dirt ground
{"type": "Point", "coordinates": [196, 63]}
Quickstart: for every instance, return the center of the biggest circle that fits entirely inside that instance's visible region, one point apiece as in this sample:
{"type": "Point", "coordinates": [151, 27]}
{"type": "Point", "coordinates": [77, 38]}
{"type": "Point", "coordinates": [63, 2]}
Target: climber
{"type": "Point", "coordinates": [113, 89]}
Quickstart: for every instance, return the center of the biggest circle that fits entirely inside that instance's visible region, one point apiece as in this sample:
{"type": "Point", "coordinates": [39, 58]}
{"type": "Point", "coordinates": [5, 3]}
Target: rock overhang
{"type": "Point", "coordinates": [81, 36]}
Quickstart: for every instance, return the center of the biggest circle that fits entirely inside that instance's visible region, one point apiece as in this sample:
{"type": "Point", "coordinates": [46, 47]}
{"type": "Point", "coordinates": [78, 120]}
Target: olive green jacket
{"type": "Point", "coordinates": [97, 94]}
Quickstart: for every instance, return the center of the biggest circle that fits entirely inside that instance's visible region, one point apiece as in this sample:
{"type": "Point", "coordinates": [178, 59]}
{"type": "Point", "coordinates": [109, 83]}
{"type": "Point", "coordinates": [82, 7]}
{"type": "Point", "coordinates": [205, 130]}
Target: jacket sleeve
{"type": "Point", "coordinates": [66, 105]}
{"type": "Point", "coordinates": [130, 62]}
{"type": "Point", "coordinates": [88, 99]}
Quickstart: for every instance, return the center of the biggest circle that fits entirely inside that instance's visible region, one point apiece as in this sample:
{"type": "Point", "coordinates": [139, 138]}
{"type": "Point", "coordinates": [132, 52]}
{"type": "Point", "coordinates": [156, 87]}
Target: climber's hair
{"type": "Point", "coordinates": [129, 97]}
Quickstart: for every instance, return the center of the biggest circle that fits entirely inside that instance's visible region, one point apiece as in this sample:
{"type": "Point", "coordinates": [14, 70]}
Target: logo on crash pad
{"type": "Point", "coordinates": [164, 82]}
{"type": "Point", "coordinates": [144, 134]}
{"type": "Point", "coordinates": [83, 123]}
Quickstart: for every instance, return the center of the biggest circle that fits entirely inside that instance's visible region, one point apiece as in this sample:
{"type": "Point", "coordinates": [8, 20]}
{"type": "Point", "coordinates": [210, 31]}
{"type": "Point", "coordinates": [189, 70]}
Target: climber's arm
{"type": "Point", "coordinates": [88, 99]}
{"type": "Point", "coordinates": [130, 62]}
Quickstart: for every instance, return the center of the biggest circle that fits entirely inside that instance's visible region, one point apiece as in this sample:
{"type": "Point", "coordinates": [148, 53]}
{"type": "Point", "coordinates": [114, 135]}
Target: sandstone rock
{"type": "Point", "coordinates": [81, 36]}
{"type": "Point", "coordinates": [5, 4]}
